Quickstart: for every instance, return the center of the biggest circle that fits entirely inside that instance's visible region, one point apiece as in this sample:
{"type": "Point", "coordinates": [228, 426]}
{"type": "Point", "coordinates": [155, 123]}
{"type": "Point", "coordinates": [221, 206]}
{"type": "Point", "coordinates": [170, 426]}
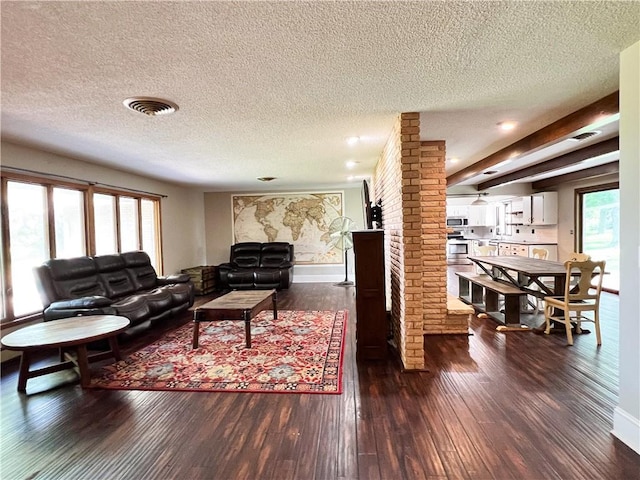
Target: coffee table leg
{"type": "Point", "coordinates": [25, 361]}
{"type": "Point", "coordinates": [196, 328]}
{"type": "Point", "coordinates": [115, 349]}
{"type": "Point", "coordinates": [275, 306]}
{"type": "Point", "coordinates": [247, 327]}
{"type": "Point", "coordinates": [83, 366]}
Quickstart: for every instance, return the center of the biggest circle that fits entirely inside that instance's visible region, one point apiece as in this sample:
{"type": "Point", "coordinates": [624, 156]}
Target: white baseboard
{"type": "Point", "coordinates": [626, 428]}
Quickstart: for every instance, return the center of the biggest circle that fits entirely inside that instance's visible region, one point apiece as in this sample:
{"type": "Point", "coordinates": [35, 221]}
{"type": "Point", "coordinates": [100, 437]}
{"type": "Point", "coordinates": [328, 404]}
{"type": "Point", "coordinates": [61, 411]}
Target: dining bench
{"type": "Point", "coordinates": [483, 294]}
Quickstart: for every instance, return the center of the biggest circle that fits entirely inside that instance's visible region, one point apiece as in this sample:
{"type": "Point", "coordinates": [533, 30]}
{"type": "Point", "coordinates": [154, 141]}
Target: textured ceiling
{"type": "Point", "coordinates": [275, 88]}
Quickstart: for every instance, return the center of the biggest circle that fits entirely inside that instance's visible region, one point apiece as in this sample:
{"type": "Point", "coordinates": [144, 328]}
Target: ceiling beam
{"type": "Point", "coordinates": [565, 127]}
{"type": "Point", "coordinates": [599, 171]}
{"type": "Point", "coordinates": [577, 156]}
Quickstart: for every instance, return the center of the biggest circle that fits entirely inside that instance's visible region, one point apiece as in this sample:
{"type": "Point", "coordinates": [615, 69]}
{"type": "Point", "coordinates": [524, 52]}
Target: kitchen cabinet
{"type": "Point", "coordinates": [458, 211]}
{"type": "Point", "coordinates": [526, 249]}
{"type": "Point", "coordinates": [482, 215]}
{"type": "Point", "coordinates": [540, 208]}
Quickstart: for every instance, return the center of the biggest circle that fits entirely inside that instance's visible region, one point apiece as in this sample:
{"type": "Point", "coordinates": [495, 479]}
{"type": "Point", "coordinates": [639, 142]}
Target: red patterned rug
{"type": "Point", "coordinates": [300, 352]}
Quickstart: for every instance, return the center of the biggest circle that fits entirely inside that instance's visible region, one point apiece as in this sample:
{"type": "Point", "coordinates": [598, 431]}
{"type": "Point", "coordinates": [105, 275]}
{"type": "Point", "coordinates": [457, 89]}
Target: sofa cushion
{"type": "Point", "coordinates": [158, 300]}
{"type": "Point", "coordinates": [180, 293]}
{"type": "Point", "coordinates": [246, 254]}
{"type": "Point", "coordinates": [139, 267]}
{"type": "Point", "coordinates": [134, 307]}
{"type": "Point", "coordinates": [75, 277]}
{"type": "Point", "coordinates": [243, 278]}
{"type": "Point", "coordinates": [267, 278]}
{"type": "Point", "coordinates": [115, 279]}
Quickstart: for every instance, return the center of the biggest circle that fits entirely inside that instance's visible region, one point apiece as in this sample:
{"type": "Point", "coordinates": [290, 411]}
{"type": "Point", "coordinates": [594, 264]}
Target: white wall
{"type": "Point", "coordinates": [182, 208]}
{"type": "Point", "coordinates": [219, 234]}
{"type": "Point", "coordinates": [626, 420]}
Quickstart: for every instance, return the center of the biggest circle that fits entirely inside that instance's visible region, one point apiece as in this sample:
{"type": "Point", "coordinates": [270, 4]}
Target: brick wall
{"type": "Point", "coordinates": [433, 198]}
{"type": "Point", "coordinates": [410, 179]}
{"type": "Point", "coordinates": [388, 187]}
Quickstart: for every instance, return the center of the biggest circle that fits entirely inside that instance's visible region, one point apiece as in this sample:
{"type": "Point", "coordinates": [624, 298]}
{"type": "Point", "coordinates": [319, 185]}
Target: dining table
{"type": "Point", "coordinates": [540, 278]}
{"type": "Point", "coordinates": [536, 277]}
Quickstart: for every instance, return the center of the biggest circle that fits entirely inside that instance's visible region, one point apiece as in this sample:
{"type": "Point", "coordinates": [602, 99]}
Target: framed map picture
{"type": "Point", "coordinates": [302, 219]}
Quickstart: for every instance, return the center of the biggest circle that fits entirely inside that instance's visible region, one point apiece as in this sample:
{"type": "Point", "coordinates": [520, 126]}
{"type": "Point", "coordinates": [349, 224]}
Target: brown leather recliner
{"type": "Point", "coordinates": [255, 265]}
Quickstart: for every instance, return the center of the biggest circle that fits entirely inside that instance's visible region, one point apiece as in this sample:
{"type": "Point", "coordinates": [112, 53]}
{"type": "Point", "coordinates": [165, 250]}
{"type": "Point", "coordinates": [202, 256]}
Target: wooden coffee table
{"type": "Point", "coordinates": [236, 305]}
{"type": "Point", "coordinates": [75, 333]}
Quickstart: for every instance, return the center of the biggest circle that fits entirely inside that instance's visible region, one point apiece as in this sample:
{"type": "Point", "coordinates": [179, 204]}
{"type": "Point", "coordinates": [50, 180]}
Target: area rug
{"type": "Point", "coordinates": [300, 352]}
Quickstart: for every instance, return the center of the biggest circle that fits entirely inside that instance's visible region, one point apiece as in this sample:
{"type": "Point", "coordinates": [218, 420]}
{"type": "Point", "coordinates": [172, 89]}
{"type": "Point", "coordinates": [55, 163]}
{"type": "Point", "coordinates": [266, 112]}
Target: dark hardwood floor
{"type": "Point", "coordinates": [491, 406]}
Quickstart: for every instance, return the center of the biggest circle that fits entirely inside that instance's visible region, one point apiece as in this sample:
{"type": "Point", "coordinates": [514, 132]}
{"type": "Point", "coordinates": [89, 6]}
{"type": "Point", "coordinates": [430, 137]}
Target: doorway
{"type": "Point", "coordinates": [598, 215]}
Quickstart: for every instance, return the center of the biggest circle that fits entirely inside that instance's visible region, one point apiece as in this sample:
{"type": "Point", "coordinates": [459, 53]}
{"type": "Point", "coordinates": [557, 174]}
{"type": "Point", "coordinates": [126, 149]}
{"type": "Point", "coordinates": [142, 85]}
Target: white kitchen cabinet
{"type": "Point", "coordinates": [526, 249]}
{"type": "Point", "coordinates": [540, 208]}
{"type": "Point", "coordinates": [458, 211]}
{"type": "Point", "coordinates": [482, 215]}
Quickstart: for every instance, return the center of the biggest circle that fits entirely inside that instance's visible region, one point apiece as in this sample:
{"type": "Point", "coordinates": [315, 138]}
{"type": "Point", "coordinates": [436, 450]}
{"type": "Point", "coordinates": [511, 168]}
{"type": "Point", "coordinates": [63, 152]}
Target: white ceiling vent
{"type": "Point", "coordinates": [585, 135]}
{"type": "Point", "coordinates": [150, 106]}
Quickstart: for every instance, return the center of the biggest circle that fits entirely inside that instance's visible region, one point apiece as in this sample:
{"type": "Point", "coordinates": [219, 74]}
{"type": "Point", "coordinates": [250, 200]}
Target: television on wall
{"type": "Point", "coordinates": [372, 212]}
{"type": "Point", "coordinates": [367, 205]}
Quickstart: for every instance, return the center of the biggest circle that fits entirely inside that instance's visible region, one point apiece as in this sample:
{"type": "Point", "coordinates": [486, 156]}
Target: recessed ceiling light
{"type": "Point", "coordinates": [506, 126]}
{"type": "Point", "coordinates": [351, 164]}
{"type": "Point", "coordinates": [353, 140]}
{"type": "Point", "coordinates": [453, 160]}
{"type": "Point", "coordinates": [266, 179]}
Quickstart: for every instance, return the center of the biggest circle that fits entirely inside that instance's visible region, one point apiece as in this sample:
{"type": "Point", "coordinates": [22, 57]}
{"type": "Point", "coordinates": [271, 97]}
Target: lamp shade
{"type": "Point", "coordinates": [479, 201]}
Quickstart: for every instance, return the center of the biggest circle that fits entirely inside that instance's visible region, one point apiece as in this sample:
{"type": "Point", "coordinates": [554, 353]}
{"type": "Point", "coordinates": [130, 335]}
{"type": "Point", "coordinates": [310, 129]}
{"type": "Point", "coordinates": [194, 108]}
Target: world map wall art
{"type": "Point", "coordinates": [302, 219]}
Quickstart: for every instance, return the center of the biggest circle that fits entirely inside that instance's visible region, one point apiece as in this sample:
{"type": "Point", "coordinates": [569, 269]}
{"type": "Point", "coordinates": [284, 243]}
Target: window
{"type": "Point", "coordinates": [104, 214]}
{"type": "Point", "coordinates": [28, 241]}
{"type": "Point", "coordinates": [48, 219]}
{"type": "Point", "coordinates": [599, 229]}
{"type": "Point", "coordinates": [69, 222]}
{"type": "Point", "coordinates": [129, 232]}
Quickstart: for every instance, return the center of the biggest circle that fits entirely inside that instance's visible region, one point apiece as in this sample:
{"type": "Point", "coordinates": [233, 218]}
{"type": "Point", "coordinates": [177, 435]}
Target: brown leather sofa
{"type": "Point", "coordinates": [255, 265]}
{"type": "Point", "coordinates": [120, 284]}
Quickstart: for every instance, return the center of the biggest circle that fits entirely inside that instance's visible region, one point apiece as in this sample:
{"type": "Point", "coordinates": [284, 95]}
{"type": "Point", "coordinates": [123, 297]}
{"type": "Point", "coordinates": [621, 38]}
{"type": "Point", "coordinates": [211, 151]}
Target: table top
{"type": "Point", "coordinates": [64, 332]}
{"type": "Point", "coordinates": [238, 299]}
{"type": "Point", "coordinates": [526, 265]}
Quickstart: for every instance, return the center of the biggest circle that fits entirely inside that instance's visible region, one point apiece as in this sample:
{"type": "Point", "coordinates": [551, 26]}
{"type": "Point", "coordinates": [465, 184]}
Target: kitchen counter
{"type": "Point", "coordinates": [522, 242]}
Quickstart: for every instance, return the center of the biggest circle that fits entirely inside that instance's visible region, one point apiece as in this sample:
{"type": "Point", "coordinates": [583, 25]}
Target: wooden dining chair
{"type": "Point", "coordinates": [579, 257]}
{"type": "Point", "coordinates": [485, 251]}
{"type": "Point", "coordinates": [541, 253]}
{"type": "Point", "coordinates": [581, 297]}
{"type": "Point", "coordinates": [537, 302]}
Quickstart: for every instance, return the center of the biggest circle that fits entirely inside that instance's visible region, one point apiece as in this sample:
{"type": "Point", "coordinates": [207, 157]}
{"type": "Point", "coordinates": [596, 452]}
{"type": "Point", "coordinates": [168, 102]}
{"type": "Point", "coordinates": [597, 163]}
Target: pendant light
{"type": "Point", "coordinates": [479, 201]}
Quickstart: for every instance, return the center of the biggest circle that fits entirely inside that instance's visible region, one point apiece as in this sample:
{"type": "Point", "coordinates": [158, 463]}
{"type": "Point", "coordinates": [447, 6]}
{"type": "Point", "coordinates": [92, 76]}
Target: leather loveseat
{"type": "Point", "coordinates": [121, 284]}
{"type": "Point", "coordinates": [254, 265]}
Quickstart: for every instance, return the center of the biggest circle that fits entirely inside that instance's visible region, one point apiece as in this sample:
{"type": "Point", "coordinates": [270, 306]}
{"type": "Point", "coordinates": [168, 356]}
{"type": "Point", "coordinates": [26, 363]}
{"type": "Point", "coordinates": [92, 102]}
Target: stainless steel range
{"type": "Point", "coordinates": [458, 249]}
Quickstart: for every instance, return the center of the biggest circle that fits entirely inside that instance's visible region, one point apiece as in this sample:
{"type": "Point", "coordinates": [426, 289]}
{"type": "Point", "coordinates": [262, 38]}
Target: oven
{"type": "Point", "coordinates": [458, 251]}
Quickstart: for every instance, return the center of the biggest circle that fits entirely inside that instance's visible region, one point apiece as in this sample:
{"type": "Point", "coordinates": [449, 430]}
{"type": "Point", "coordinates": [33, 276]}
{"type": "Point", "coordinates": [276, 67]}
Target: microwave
{"type": "Point", "coordinates": [457, 222]}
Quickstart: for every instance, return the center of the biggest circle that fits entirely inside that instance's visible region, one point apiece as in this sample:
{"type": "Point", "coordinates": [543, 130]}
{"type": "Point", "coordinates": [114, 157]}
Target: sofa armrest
{"type": "Point", "coordinates": [95, 301]}
{"type": "Point", "coordinates": [73, 307]}
{"type": "Point", "coordinates": [175, 278]}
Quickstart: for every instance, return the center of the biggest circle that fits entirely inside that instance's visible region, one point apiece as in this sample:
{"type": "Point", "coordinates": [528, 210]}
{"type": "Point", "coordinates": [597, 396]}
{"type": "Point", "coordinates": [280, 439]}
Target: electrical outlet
{"type": "Point", "coordinates": [517, 230]}
{"type": "Point", "coordinates": [533, 230]}
{"type": "Point", "coordinates": [571, 232]}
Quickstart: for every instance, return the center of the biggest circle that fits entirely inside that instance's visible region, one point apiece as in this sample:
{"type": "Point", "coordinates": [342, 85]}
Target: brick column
{"type": "Point", "coordinates": [433, 198]}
